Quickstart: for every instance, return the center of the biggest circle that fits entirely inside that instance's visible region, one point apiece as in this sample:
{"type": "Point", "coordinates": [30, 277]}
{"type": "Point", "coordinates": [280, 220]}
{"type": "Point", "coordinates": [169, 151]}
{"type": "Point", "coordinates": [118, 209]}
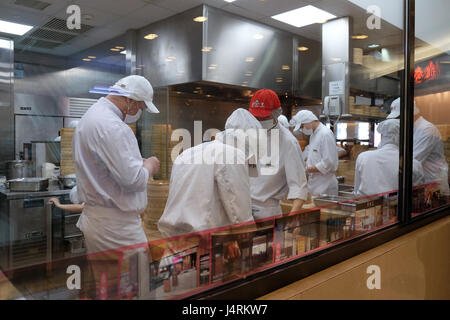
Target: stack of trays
{"type": "Point", "coordinates": [157, 193]}
{"type": "Point", "coordinates": [67, 166]}
{"type": "Point", "coordinates": [162, 147]}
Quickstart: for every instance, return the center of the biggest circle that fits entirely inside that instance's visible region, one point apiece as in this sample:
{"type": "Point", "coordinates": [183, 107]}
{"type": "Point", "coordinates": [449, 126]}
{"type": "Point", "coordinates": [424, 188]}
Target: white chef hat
{"type": "Point", "coordinates": [137, 88]}
{"type": "Point", "coordinates": [303, 116]}
{"type": "Point", "coordinates": [390, 132]}
{"type": "Point", "coordinates": [395, 109]}
{"type": "Point", "coordinates": [283, 121]}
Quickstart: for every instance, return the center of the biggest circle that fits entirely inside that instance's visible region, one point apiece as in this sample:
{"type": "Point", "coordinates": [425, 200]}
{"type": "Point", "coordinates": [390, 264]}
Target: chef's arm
{"type": "Point", "coordinates": [72, 208]}
{"type": "Point", "coordinates": [296, 178]}
{"type": "Point", "coordinates": [122, 158]}
{"type": "Point", "coordinates": [297, 205]}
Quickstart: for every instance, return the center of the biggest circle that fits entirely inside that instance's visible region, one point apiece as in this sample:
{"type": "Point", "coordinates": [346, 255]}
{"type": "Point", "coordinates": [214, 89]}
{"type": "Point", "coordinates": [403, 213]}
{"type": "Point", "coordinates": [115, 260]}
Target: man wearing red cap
{"type": "Point", "coordinates": [287, 179]}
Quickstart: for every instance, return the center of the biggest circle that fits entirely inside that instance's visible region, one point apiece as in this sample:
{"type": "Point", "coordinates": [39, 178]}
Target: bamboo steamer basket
{"type": "Point", "coordinates": [157, 194]}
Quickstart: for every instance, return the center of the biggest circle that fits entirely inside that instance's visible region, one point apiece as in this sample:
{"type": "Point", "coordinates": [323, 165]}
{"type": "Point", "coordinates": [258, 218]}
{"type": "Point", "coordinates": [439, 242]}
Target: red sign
{"type": "Point", "coordinates": [431, 72]}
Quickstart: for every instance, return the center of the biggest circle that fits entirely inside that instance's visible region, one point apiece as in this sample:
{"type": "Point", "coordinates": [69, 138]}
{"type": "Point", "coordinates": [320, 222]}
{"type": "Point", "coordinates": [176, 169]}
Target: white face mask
{"type": "Point", "coordinates": [308, 132]}
{"type": "Point", "coordinates": [132, 119]}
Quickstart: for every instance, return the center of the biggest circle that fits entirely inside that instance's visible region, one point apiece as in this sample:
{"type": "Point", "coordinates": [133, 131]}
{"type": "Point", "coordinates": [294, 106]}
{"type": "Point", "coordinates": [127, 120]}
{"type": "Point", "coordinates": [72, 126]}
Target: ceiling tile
{"type": "Point", "coordinates": [100, 18]}
{"type": "Point", "coordinates": [270, 7]}
{"type": "Point", "coordinates": [116, 7]}
{"type": "Point", "coordinates": [243, 12]}
{"type": "Point", "coordinates": [175, 5]}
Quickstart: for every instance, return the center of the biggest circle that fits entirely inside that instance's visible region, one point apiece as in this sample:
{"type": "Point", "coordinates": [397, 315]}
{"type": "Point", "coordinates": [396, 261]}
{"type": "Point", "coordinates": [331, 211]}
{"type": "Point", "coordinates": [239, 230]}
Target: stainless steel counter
{"type": "Point", "coordinates": [7, 195]}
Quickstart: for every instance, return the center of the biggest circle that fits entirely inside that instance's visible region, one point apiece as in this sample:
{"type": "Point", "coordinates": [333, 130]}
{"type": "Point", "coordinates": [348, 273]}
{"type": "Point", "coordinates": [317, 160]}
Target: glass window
{"type": "Point", "coordinates": [431, 118]}
{"type": "Point", "coordinates": [193, 218]}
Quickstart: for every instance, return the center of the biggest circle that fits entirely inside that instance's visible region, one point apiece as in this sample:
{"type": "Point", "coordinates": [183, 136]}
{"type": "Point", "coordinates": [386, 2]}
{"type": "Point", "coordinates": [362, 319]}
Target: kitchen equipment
{"type": "Point", "coordinates": [28, 184]}
{"type": "Point", "coordinates": [157, 194]}
{"type": "Point", "coordinates": [19, 169]}
{"type": "Point", "coordinates": [47, 170]}
{"type": "Point", "coordinates": [45, 152]}
{"type": "Point", "coordinates": [26, 240]}
{"type": "Point", "coordinates": [68, 181]}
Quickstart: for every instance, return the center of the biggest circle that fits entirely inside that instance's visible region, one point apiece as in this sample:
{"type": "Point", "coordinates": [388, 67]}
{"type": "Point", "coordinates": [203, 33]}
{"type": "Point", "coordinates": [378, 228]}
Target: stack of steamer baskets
{"type": "Point", "coordinates": [157, 193]}
{"type": "Point", "coordinates": [158, 188]}
{"type": "Point", "coordinates": [162, 146]}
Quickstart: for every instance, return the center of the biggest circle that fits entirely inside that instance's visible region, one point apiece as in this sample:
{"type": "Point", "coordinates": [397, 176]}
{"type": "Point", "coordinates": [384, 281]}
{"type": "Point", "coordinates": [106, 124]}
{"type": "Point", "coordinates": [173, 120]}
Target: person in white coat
{"type": "Point", "coordinates": [283, 121]}
{"type": "Point", "coordinates": [376, 171]}
{"type": "Point", "coordinates": [209, 185]}
{"type": "Point", "coordinates": [111, 174]}
{"type": "Point", "coordinates": [322, 159]}
{"type": "Point", "coordinates": [428, 147]}
{"type": "Point", "coordinates": [283, 172]}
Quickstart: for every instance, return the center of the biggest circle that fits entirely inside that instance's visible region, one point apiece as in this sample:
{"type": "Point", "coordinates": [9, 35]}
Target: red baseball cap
{"type": "Point", "coordinates": [263, 102]}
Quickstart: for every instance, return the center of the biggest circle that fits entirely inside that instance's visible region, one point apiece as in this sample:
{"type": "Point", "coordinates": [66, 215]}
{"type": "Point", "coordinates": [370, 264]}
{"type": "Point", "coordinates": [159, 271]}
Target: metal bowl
{"type": "Point", "coordinates": [68, 181]}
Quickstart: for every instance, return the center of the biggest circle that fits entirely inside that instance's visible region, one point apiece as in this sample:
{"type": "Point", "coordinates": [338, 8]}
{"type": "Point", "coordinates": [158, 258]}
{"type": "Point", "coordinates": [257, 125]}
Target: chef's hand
{"type": "Point", "coordinates": [152, 165]}
{"type": "Point", "coordinates": [54, 201]}
{"type": "Point", "coordinates": [311, 169]}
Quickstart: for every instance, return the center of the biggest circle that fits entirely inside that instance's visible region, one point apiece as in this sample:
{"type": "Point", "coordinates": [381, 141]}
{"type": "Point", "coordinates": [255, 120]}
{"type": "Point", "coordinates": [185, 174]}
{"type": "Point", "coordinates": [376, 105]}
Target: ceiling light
{"type": "Point", "coordinates": [373, 46]}
{"type": "Point", "coordinates": [14, 28]}
{"type": "Point", "coordinates": [92, 57]}
{"type": "Point", "coordinates": [119, 47]}
{"type": "Point", "coordinates": [249, 59]}
{"type": "Point", "coordinates": [248, 74]}
{"type": "Point", "coordinates": [171, 58]}
{"type": "Point", "coordinates": [206, 49]}
{"type": "Point", "coordinates": [258, 36]}
{"type": "Point", "coordinates": [200, 19]}
{"type": "Point", "coordinates": [229, 1]}
{"type": "Point", "coordinates": [302, 48]}
{"type": "Point", "coordinates": [336, 59]}
{"type": "Point", "coordinates": [114, 49]}
{"type": "Point", "coordinates": [304, 16]}
{"type": "Point", "coordinates": [285, 68]}
{"type": "Point", "coordinates": [360, 37]}
{"type": "Point", "coordinates": [123, 52]}
{"type": "Point", "coordinates": [86, 59]}
{"type": "Point", "coordinates": [151, 36]}
{"type": "Point", "coordinates": [195, 91]}
{"type": "Point", "coordinates": [137, 68]}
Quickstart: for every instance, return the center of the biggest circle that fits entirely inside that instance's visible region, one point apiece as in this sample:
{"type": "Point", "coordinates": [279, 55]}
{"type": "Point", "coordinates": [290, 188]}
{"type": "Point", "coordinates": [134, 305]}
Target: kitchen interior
{"type": "Point", "coordinates": [201, 70]}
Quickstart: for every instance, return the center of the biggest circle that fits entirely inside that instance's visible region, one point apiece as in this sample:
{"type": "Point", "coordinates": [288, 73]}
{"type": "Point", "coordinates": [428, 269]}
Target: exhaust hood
{"type": "Point", "coordinates": [224, 49]}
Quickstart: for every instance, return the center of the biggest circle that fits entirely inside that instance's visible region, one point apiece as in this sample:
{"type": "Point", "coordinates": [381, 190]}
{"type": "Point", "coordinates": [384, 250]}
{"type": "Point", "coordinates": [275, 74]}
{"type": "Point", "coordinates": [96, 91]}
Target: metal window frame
{"type": "Point", "coordinates": [266, 281]}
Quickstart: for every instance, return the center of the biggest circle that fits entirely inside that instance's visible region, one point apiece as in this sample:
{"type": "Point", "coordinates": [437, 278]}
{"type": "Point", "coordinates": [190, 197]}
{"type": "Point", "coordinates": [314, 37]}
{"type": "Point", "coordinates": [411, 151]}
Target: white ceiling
{"type": "Point", "coordinates": [112, 18]}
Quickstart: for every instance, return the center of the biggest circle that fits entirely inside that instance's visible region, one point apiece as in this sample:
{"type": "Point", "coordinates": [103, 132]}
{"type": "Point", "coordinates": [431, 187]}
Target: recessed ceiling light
{"type": "Point", "coordinates": [304, 16]}
{"type": "Point", "coordinates": [373, 46]}
{"type": "Point", "coordinates": [248, 74]}
{"type": "Point", "coordinates": [114, 49]}
{"type": "Point", "coordinates": [206, 49]}
{"type": "Point", "coordinates": [285, 68]}
{"type": "Point", "coordinates": [151, 36]}
{"type": "Point", "coordinates": [302, 48]}
{"type": "Point", "coordinates": [137, 68]}
{"type": "Point", "coordinates": [229, 1]}
{"type": "Point", "coordinates": [249, 59]}
{"type": "Point", "coordinates": [119, 47]}
{"type": "Point", "coordinates": [360, 37]}
{"type": "Point", "coordinates": [92, 57]}
{"type": "Point", "coordinates": [14, 28]}
{"type": "Point", "coordinates": [200, 19]}
{"type": "Point", "coordinates": [86, 59]}
{"type": "Point", "coordinates": [258, 36]}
